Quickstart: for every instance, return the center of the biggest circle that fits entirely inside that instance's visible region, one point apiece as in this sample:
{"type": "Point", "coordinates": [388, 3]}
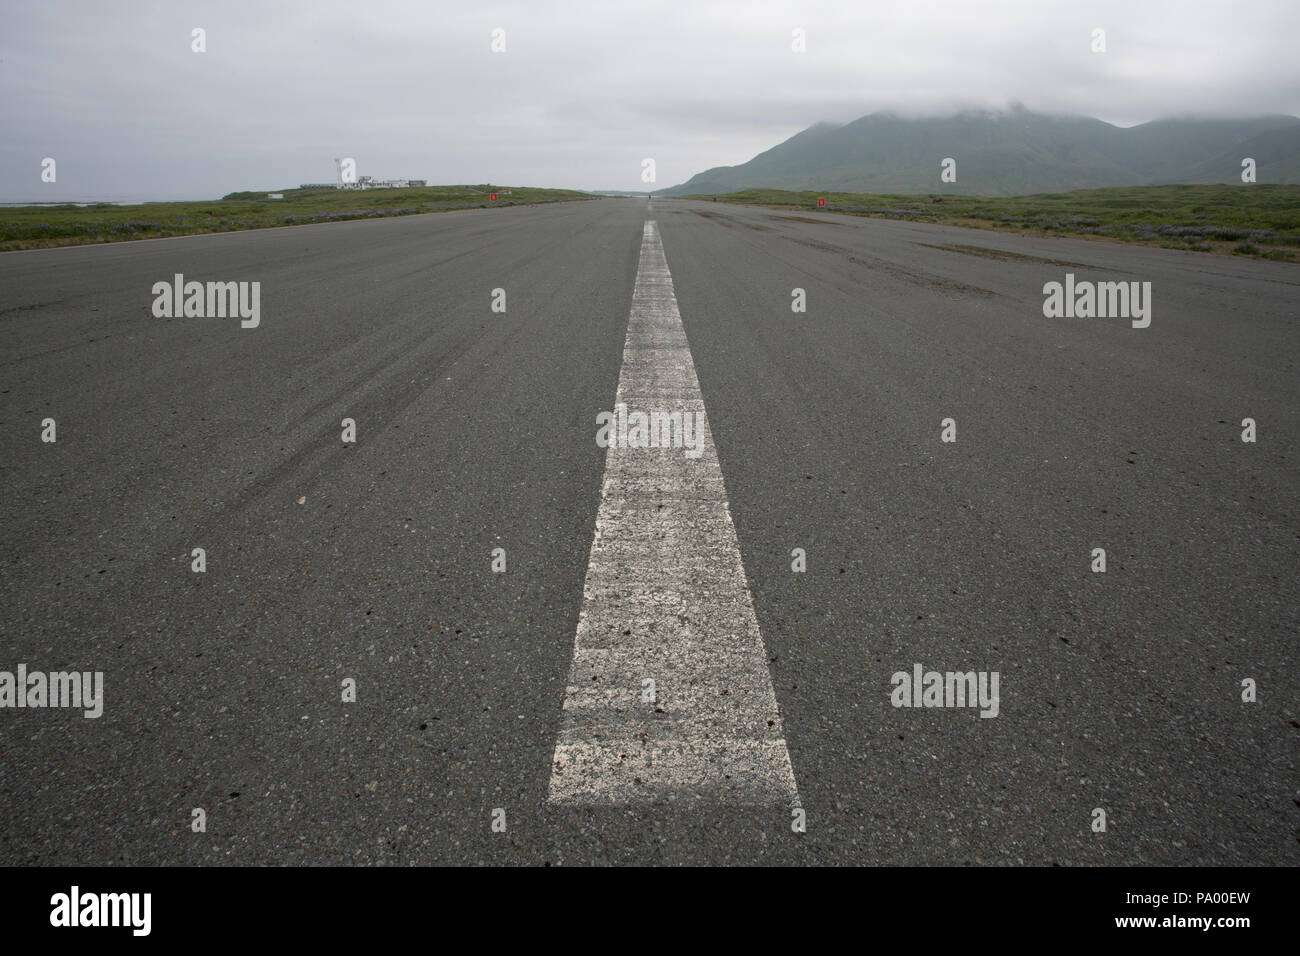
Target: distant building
{"type": "Point", "coordinates": [368, 182]}
{"type": "Point", "coordinates": [275, 195]}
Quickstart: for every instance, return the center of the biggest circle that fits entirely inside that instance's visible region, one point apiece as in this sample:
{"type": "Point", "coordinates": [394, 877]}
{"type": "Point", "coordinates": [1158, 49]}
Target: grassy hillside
{"type": "Point", "coordinates": [1017, 152]}
{"type": "Point", "coordinates": [1256, 220]}
{"type": "Point", "coordinates": [35, 227]}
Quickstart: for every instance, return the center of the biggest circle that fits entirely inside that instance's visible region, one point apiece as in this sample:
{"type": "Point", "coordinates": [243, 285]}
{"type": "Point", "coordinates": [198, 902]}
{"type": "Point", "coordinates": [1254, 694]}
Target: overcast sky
{"type": "Point", "coordinates": [583, 92]}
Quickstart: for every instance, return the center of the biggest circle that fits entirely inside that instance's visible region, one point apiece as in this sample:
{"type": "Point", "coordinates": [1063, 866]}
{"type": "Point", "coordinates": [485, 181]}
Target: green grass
{"type": "Point", "coordinates": [1259, 220]}
{"type": "Point", "coordinates": [35, 227]}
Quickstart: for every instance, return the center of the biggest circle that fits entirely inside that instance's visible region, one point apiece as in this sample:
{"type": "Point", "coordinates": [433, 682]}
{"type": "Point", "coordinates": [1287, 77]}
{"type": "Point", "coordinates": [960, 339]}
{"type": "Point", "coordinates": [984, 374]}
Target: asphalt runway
{"type": "Point", "coordinates": [476, 430]}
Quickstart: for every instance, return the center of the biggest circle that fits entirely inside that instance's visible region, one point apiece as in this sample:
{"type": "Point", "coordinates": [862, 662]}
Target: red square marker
{"type": "Point", "coordinates": [492, 196]}
{"type": "Point", "coordinates": [821, 202]}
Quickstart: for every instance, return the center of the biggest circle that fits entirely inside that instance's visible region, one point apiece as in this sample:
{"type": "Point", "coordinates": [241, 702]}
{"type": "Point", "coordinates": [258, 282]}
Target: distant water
{"type": "Point", "coordinates": [93, 202]}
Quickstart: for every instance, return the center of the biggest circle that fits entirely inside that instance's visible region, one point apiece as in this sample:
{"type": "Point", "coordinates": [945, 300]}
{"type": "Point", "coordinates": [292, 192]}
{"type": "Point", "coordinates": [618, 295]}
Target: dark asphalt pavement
{"type": "Point", "coordinates": [475, 431]}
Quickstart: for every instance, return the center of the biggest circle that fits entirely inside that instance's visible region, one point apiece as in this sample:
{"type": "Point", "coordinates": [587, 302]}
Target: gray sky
{"type": "Point", "coordinates": [583, 91]}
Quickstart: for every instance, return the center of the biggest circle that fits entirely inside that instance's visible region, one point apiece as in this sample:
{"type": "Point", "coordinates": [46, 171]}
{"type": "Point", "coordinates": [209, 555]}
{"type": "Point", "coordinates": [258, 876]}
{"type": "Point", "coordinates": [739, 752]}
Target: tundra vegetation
{"type": "Point", "coordinates": [1260, 219]}
{"type": "Point", "coordinates": [36, 227]}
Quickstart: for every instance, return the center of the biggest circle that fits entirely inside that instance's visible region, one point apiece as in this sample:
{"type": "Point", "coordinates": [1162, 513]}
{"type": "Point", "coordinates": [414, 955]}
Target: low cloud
{"type": "Point", "coordinates": [581, 94]}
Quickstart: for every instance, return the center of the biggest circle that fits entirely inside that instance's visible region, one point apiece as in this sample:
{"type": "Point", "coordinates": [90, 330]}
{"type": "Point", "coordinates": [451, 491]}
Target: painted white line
{"type": "Point", "coordinates": [666, 599]}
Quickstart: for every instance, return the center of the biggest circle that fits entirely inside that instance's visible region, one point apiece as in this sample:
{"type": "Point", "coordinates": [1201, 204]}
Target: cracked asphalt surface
{"type": "Point", "coordinates": [475, 429]}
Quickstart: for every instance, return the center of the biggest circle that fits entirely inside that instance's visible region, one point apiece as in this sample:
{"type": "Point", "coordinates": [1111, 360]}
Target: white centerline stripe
{"type": "Point", "coordinates": [666, 598]}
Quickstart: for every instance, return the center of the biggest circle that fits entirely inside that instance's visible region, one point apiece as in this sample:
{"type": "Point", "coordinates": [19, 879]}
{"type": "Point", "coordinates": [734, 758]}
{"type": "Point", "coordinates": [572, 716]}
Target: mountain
{"type": "Point", "coordinates": [1014, 152]}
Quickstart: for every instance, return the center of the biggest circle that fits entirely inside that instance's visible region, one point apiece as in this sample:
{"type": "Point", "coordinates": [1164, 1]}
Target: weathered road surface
{"type": "Point", "coordinates": [476, 431]}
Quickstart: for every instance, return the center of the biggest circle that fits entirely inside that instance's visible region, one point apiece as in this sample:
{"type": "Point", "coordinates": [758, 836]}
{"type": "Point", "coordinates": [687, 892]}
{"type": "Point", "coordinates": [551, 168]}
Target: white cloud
{"type": "Point", "coordinates": [584, 91]}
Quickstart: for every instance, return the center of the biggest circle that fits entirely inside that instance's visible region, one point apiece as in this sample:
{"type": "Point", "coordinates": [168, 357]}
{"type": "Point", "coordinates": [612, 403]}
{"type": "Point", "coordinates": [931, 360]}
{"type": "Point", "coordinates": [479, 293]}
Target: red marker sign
{"type": "Point", "coordinates": [492, 196]}
{"type": "Point", "coordinates": [821, 202]}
